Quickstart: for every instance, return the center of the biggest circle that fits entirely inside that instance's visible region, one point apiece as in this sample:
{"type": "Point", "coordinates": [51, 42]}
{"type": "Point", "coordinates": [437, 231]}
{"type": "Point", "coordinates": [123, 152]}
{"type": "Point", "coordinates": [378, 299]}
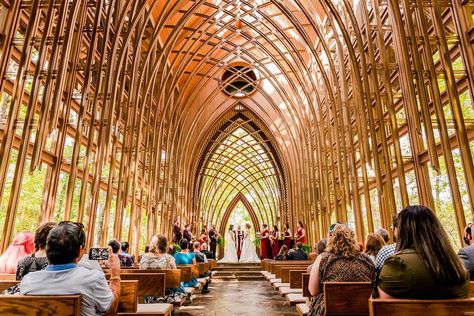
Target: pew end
{"type": "Point", "coordinates": [338, 302]}
{"type": "Point", "coordinates": [408, 307]}
{"type": "Point", "coordinates": [27, 305]}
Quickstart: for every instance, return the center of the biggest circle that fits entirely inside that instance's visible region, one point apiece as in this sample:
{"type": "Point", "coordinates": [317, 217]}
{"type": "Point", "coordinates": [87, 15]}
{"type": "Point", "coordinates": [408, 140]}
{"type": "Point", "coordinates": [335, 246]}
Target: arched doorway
{"type": "Point", "coordinates": [224, 226]}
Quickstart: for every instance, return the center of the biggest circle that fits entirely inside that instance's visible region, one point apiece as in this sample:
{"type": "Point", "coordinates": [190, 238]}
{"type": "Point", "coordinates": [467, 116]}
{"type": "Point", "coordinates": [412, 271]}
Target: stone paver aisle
{"type": "Point", "coordinates": [238, 298]}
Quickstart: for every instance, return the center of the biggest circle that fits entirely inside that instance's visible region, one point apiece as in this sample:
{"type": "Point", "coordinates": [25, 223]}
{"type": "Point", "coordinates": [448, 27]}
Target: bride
{"type": "Point", "coordinates": [249, 255]}
{"type": "Point", "coordinates": [230, 255]}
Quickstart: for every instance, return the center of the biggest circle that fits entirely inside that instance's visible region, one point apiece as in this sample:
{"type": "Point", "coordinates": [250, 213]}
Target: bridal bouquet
{"type": "Point", "coordinates": [256, 242]}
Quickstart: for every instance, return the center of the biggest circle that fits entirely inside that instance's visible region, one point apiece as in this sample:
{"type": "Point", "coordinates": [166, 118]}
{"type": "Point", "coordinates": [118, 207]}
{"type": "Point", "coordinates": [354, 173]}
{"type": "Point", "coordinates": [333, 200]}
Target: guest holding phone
{"type": "Point", "coordinates": [64, 247]}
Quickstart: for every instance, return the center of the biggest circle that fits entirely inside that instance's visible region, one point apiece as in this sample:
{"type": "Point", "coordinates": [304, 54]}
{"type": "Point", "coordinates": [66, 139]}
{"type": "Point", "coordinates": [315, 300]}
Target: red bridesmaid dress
{"type": "Point", "coordinates": [275, 245]}
{"type": "Point", "coordinates": [299, 233]}
{"type": "Point", "coordinates": [264, 244]}
{"type": "Point", "coordinates": [287, 238]}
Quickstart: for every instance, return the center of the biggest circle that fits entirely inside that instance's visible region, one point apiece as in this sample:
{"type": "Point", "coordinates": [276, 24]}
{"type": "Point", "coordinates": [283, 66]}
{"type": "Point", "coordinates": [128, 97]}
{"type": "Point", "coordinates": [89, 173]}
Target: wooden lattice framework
{"type": "Point", "coordinates": [370, 104]}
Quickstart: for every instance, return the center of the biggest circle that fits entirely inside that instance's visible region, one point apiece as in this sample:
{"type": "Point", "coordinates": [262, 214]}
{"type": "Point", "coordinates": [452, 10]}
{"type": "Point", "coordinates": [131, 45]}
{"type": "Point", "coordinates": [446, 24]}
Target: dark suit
{"type": "Point", "coordinates": [200, 257]}
{"type": "Point", "coordinates": [467, 256]}
{"type": "Point", "coordinates": [213, 242]}
{"type": "Point", "coordinates": [208, 254]}
{"type": "Point", "coordinates": [297, 254]}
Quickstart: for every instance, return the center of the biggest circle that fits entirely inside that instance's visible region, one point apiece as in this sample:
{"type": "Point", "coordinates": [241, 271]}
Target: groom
{"type": "Point", "coordinates": [239, 236]}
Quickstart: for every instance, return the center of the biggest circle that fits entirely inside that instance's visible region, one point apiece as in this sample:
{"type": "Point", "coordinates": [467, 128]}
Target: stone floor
{"type": "Point", "coordinates": [238, 298]}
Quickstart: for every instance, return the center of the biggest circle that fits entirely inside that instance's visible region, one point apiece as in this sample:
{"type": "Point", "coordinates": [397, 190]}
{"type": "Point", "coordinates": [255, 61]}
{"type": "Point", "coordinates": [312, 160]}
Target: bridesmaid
{"type": "Point", "coordinates": [300, 235]}
{"type": "Point", "coordinates": [203, 238]}
{"type": "Point", "coordinates": [274, 240]}
{"type": "Point", "coordinates": [287, 236]}
{"type": "Point", "coordinates": [265, 242]}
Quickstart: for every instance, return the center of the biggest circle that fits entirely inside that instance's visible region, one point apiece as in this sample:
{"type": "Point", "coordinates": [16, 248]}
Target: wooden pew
{"type": "Point", "coordinates": [128, 294]}
{"type": "Point", "coordinates": [173, 276]}
{"type": "Point", "coordinates": [285, 272]}
{"type": "Point", "coordinates": [172, 279]}
{"type": "Point", "coordinates": [23, 305]}
{"type": "Point", "coordinates": [212, 264]}
{"type": "Point", "coordinates": [277, 263]}
{"type": "Point", "coordinates": [306, 292]}
{"type": "Point", "coordinates": [151, 284]}
{"type": "Point", "coordinates": [7, 277]}
{"type": "Point", "coordinates": [186, 273]}
{"type": "Point", "coordinates": [203, 267]}
{"type": "Point", "coordinates": [5, 284]}
{"type": "Point", "coordinates": [347, 298]}
{"type": "Point", "coordinates": [303, 309]}
{"type": "Point", "coordinates": [296, 278]}
{"type": "Point", "coordinates": [194, 269]}
{"type": "Point", "coordinates": [471, 294]}
{"type": "Point", "coordinates": [407, 307]}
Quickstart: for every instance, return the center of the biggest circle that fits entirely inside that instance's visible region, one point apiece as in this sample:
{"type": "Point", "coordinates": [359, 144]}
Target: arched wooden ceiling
{"type": "Point", "coordinates": [369, 104]}
{"type": "Point", "coordinates": [240, 160]}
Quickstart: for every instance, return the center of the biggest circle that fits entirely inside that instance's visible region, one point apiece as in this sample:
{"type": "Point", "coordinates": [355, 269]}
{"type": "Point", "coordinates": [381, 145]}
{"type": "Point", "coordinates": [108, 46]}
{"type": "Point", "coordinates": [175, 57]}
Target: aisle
{"type": "Point", "coordinates": [238, 298]}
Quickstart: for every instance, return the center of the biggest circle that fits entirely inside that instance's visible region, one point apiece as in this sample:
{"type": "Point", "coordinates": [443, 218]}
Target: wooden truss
{"type": "Point", "coordinates": [367, 106]}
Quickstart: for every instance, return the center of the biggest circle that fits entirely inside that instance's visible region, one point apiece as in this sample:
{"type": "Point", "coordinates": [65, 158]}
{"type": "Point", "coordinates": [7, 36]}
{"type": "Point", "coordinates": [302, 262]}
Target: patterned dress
{"type": "Point", "coordinates": [151, 261]}
{"type": "Point", "coordinates": [336, 268]}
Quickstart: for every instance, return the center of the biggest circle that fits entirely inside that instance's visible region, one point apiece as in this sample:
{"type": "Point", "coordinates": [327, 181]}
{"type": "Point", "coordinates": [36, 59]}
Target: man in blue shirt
{"type": "Point", "coordinates": [64, 248]}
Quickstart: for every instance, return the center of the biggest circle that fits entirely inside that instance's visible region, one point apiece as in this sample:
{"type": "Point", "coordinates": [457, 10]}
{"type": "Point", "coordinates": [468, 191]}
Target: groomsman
{"type": "Point", "coordinates": [213, 235]}
{"type": "Point", "coordinates": [239, 237]}
{"type": "Point", "coordinates": [177, 232]}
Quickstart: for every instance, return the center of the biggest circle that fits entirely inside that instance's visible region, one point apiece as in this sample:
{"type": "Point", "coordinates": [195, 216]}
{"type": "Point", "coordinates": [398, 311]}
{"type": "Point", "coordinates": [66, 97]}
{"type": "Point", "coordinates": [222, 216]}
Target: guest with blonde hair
{"type": "Point", "coordinates": [157, 256]}
{"type": "Point", "coordinates": [341, 262]}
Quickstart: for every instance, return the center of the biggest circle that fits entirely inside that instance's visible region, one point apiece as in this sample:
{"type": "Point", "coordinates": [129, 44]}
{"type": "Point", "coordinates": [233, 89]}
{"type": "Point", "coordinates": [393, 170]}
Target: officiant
{"type": "Point", "coordinates": [239, 237]}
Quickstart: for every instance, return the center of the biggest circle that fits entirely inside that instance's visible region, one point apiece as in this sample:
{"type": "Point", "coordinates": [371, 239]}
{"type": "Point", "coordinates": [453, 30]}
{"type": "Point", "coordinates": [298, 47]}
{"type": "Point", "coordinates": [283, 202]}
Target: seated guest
{"type": "Point", "coordinates": [115, 245]}
{"type": "Point", "coordinates": [185, 257]}
{"type": "Point", "coordinates": [209, 255]}
{"type": "Point", "coordinates": [38, 260]}
{"type": "Point", "coordinates": [425, 265]}
{"type": "Point", "coordinates": [387, 250]}
{"type": "Point", "coordinates": [384, 234]}
{"type": "Point", "coordinates": [341, 262]}
{"type": "Point", "coordinates": [373, 244]}
{"type": "Point", "coordinates": [64, 247]}
{"type": "Point", "coordinates": [200, 257]}
{"type": "Point", "coordinates": [313, 254]}
{"type": "Point", "coordinates": [322, 244]}
{"type": "Point", "coordinates": [320, 248]}
{"type": "Point", "coordinates": [126, 259]}
{"type": "Point", "coordinates": [298, 253]}
{"type": "Point", "coordinates": [157, 258]}
{"type": "Point", "coordinates": [283, 254]}
{"type": "Point", "coordinates": [147, 249]}
{"type": "Point", "coordinates": [22, 246]}
{"type": "Point", "coordinates": [467, 253]}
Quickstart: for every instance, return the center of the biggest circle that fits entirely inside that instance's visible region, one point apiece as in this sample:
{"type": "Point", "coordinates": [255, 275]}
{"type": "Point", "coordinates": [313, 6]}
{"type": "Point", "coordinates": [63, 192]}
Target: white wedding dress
{"type": "Point", "coordinates": [248, 255]}
{"type": "Point", "coordinates": [230, 254]}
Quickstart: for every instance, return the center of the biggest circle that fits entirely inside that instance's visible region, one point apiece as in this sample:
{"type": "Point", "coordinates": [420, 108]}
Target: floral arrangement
{"type": "Point", "coordinates": [306, 248]}
{"type": "Point", "coordinates": [220, 241]}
